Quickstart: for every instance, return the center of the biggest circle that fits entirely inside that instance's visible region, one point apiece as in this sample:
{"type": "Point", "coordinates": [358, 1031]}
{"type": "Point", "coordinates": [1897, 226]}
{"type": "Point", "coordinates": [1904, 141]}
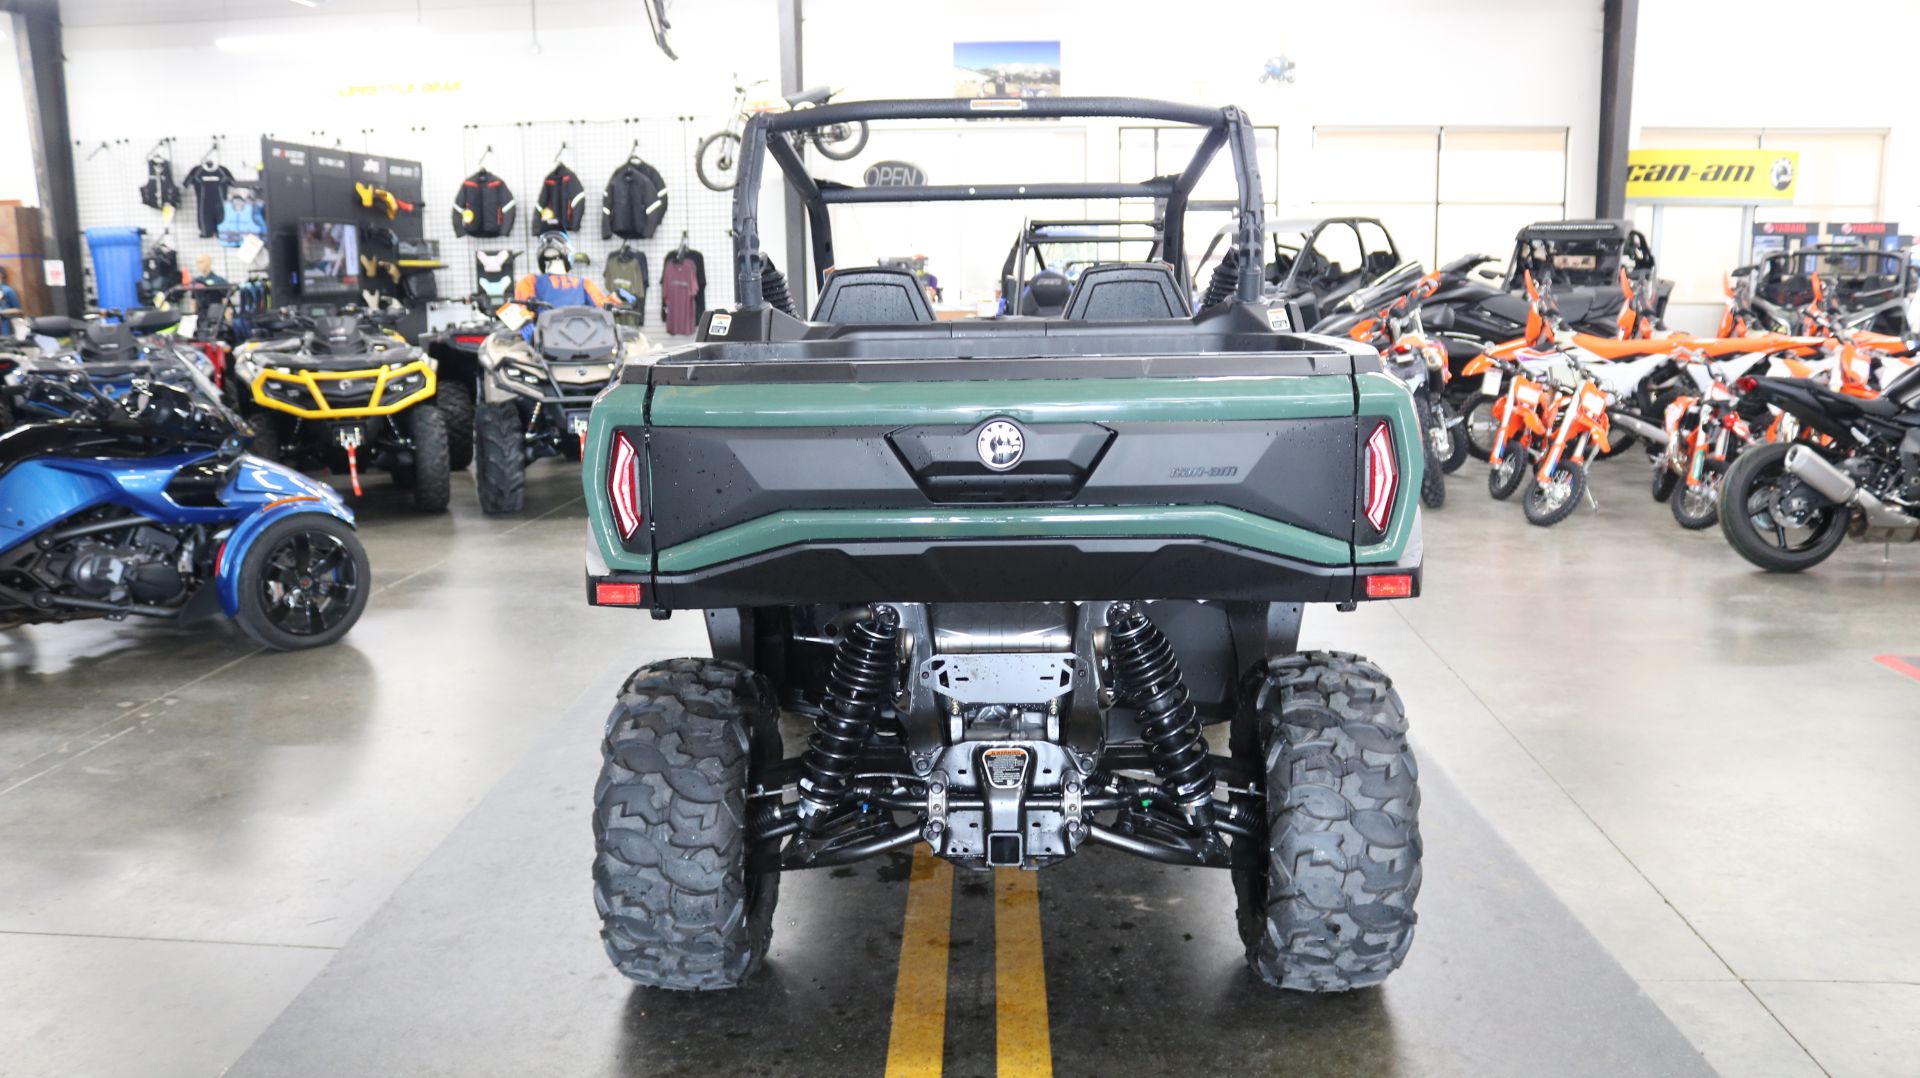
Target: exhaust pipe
{"type": "Point", "coordinates": [1834, 485]}
{"type": "Point", "coordinates": [1639, 426]}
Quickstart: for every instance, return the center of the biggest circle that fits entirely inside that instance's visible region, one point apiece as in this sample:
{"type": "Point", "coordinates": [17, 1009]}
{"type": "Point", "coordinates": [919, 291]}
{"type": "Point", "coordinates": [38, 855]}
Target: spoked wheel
{"type": "Point", "coordinates": [1506, 477]}
{"type": "Point", "coordinates": [1433, 479]}
{"type": "Point", "coordinates": [304, 583]}
{"type": "Point", "coordinates": [841, 142]}
{"type": "Point", "coordinates": [1553, 501]}
{"type": "Point", "coordinates": [1696, 506]}
{"type": "Point", "coordinates": [1772, 518]}
{"type": "Point", "coordinates": [1480, 428]}
{"type": "Point", "coordinates": [715, 160]}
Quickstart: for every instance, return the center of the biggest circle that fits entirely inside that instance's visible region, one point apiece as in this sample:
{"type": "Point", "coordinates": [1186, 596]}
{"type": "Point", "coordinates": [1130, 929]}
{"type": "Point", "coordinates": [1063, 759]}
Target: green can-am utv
{"type": "Point", "coordinates": [1006, 570]}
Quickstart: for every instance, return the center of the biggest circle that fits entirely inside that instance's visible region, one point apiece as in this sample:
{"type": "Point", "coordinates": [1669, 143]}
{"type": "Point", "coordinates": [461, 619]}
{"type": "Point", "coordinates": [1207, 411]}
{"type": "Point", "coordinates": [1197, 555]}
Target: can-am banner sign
{"type": "Point", "coordinates": [1723, 176]}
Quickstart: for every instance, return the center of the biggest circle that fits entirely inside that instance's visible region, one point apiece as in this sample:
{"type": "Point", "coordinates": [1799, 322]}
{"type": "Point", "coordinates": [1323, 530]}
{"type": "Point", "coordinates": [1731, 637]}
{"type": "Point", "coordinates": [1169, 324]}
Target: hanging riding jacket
{"type": "Point", "coordinates": [563, 201]}
{"type": "Point", "coordinates": [634, 202]}
{"type": "Point", "coordinates": [159, 190]}
{"type": "Point", "coordinates": [484, 206]}
{"type": "Point", "coordinates": [210, 183]}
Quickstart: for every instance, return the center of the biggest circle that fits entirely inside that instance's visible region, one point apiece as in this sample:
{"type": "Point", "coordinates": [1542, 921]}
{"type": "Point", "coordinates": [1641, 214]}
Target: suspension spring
{"type": "Point", "coordinates": [859, 681]}
{"type": "Point", "coordinates": [1147, 675]}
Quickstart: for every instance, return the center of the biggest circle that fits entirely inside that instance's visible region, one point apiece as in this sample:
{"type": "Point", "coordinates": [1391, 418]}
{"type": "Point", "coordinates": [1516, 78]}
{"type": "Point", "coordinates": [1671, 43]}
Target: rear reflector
{"type": "Point", "coordinates": [1394, 586]}
{"type": "Point", "coordinates": [605, 594]}
{"type": "Point", "coordinates": [623, 485]}
{"type": "Point", "coordinates": [1382, 477]}
{"type": "Point", "coordinates": [464, 339]}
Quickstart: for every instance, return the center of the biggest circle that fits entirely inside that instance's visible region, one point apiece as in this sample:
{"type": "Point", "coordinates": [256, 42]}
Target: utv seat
{"type": "Point", "coordinates": [871, 295]}
{"type": "Point", "coordinates": [1046, 294]}
{"type": "Point", "coordinates": [1126, 292]}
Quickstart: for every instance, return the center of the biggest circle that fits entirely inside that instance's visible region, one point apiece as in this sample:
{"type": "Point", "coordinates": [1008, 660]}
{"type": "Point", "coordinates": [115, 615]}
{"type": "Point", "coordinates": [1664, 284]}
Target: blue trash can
{"type": "Point", "coordinates": [116, 266]}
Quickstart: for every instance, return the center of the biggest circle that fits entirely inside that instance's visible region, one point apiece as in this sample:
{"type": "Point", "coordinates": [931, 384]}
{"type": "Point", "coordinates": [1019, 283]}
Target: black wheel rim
{"type": "Point", "coordinates": [309, 583]}
{"type": "Point", "coordinates": [1778, 508]}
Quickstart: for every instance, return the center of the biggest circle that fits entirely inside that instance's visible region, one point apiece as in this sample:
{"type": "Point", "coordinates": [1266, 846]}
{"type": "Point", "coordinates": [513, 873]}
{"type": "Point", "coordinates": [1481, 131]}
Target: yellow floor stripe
{"type": "Point", "coordinates": [1020, 976]}
{"type": "Point", "coordinates": [918, 1042]}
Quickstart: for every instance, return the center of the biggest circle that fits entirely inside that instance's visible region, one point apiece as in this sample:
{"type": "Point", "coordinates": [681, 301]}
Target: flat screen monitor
{"type": "Point", "coordinates": [329, 258]}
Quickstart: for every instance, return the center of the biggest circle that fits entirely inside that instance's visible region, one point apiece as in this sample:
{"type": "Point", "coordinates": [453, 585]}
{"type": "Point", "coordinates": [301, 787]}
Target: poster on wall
{"type": "Point", "coordinates": [1712, 176]}
{"type": "Point", "coordinates": [1006, 69]}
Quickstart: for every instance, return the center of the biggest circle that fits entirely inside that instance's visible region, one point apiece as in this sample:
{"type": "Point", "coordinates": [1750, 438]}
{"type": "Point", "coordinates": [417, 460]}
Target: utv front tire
{"type": "Point", "coordinates": [1327, 905]}
{"type": "Point", "coordinates": [679, 906]}
{"type": "Point", "coordinates": [500, 463]}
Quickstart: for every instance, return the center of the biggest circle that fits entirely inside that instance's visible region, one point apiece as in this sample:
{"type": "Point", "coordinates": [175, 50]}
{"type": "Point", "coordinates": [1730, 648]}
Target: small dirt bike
{"type": "Point", "coordinates": [1420, 362]}
{"type": "Point", "coordinates": [716, 156]}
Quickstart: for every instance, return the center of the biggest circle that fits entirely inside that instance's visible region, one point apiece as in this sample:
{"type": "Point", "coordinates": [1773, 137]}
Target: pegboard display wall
{"type": "Point", "coordinates": [109, 173]}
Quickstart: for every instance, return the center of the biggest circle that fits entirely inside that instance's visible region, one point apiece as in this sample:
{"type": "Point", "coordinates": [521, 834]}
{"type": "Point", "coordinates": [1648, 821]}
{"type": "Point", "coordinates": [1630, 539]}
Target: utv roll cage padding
{"type": "Point", "coordinates": [872, 295]}
{"type": "Point", "coordinates": [1225, 127]}
{"type": "Point", "coordinates": [1126, 292]}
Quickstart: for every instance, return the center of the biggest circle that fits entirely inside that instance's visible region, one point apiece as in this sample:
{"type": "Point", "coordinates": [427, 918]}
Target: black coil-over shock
{"type": "Point", "coordinates": [858, 683]}
{"type": "Point", "coordinates": [1147, 675]}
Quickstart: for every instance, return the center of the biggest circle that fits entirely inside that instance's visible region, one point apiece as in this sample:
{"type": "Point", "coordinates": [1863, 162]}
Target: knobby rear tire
{"type": "Point", "coordinates": [1327, 904]}
{"type": "Point", "coordinates": [679, 906]}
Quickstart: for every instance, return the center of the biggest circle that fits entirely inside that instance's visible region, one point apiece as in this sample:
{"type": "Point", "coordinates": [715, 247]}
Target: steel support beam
{"type": "Point", "coordinates": [43, 86]}
{"type": "Point", "coordinates": [1619, 28]}
{"type": "Point", "coordinates": [792, 76]}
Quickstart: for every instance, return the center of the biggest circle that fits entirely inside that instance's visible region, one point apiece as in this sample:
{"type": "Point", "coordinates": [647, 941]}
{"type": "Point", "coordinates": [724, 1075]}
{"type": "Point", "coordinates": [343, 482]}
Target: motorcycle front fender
{"type": "Point", "coordinates": [273, 491]}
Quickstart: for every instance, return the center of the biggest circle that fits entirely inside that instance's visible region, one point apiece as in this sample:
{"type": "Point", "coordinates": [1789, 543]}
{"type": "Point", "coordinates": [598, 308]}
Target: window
{"type": "Point", "coordinates": [1444, 191]}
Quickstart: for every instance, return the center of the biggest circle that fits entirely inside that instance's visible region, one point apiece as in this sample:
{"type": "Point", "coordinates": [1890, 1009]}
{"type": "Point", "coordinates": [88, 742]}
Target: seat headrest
{"type": "Point", "coordinates": [1046, 294]}
{"type": "Point", "coordinates": [1126, 292]}
{"type": "Point", "coordinates": [872, 295]}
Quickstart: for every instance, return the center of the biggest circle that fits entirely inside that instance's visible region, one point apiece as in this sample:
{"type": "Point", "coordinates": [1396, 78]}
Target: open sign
{"type": "Point", "coordinates": [894, 174]}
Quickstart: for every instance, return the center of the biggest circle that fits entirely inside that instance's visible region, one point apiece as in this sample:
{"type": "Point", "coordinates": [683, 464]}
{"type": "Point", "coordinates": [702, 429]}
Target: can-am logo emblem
{"type": "Point", "coordinates": [1001, 445]}
{"type": "Point", "coordinates": [1782, 174]}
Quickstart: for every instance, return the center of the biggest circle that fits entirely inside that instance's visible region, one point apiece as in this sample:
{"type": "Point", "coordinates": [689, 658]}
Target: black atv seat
{"type": "Point", "coordinates": [101, 340]}
{"type": "Point", "coordinates": [812, 95]}
{"type": "Point", "coordinates": [1904, 389]}
{"type": "Point", "coordinates": [872, 295]}
{"type": "Point", "coordinates": [1125, 292]}
{"type": "Point", "coordinates": [1046, 294]}
{"type": "Point", "coordinates": [576, 333]}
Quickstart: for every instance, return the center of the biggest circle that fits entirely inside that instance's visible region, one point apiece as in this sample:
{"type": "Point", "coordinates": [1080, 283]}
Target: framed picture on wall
{"type": "Point", "coordinates": [1006, 69]}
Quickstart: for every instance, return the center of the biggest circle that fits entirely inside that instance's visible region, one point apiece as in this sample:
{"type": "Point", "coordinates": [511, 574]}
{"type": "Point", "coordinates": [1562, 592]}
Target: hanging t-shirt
{"type": "Point", "coordinates": [627, 273]}
{"type": "Point", "coordinates": [680, 288]}
{"type": "Point", "coordinates": [209, 183]}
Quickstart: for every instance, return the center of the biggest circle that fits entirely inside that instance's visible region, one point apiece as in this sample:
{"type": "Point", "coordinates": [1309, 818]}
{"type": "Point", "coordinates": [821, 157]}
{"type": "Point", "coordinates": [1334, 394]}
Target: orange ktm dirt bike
{"type": "Point", "coordinates": [1577, 418]}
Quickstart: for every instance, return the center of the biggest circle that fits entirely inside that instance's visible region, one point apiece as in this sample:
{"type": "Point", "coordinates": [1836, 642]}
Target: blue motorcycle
{"type": "Point", "coordinates": [149, 505]}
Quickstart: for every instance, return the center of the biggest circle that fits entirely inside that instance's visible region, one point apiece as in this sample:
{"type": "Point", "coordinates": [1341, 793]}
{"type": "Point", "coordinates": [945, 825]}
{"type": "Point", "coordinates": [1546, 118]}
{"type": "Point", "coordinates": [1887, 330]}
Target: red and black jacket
{"type": "Point", "coordinates": [563, 201]}
{"type": "Point", "coordinates": [484, 206]}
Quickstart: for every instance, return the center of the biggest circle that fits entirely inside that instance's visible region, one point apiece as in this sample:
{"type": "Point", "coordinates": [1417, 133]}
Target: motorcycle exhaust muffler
{"type": "Point", "coordinates": [1833, 484]}
{"type": "Point", "coordinates": [1639, 426]}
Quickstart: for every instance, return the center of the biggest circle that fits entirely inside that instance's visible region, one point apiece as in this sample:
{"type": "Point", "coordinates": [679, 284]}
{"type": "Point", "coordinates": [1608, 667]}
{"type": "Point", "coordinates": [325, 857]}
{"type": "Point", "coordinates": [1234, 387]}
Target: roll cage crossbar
{"type": "Point", "coordinates": [1225, 127]}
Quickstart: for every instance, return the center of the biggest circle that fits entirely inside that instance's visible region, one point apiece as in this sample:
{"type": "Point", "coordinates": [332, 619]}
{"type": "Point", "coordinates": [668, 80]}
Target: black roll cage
{"type": "Point", "coordinates": [1227, 127]}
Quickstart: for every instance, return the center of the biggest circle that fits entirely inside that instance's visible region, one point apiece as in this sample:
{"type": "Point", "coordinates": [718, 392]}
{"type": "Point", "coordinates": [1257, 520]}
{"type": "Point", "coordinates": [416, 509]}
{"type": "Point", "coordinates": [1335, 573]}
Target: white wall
{"type": "Point", "coordinates": [16, 165]}
{"type": "Point", "coordinates": [1360, 63]}
{"type": "Point", "coordinates": [1778, 64]}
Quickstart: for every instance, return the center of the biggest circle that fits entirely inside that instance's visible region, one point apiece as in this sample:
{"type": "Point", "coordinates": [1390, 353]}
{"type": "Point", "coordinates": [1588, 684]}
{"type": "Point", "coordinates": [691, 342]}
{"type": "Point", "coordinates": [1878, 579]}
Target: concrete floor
{"type": "Point", "coordinates": [1648, 764]}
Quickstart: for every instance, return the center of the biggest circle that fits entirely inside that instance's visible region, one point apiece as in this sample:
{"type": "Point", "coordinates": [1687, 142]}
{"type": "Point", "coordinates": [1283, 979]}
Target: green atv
{"type": "Point", "coordinates": [1006, 570]}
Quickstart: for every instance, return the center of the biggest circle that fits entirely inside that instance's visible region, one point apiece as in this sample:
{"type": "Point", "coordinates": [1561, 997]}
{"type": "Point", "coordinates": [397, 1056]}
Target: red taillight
{"type": "Point", "coordinates": [623, 485]}
{"type": "Point", "coordinates": [1391, 586]}
{"type": "Point", "coordinates": [1382, 477]}
{"type": "Point", "coordinates": [605, 594]}
{"type": "Point", "coordinates": [1747, 384]}
{"type": "Point", "coordinates": [464, 339]}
